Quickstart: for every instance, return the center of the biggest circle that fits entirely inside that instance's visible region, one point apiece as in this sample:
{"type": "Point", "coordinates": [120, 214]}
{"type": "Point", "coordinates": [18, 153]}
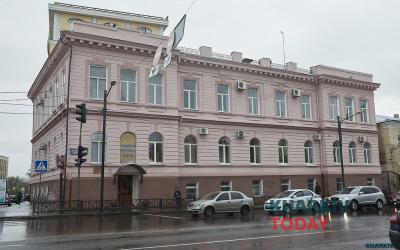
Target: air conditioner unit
{"type": "Point", "coordinates": [240, 134]}
{"type": "Point", "coordinates": [203, 131]}
{"type": "Point", "coordinates": [362, 138]}
{"type": "Point", "coordinates": [317, 137]}
{"type": "Point", "coordinates": [241, 85]}
{"type": "Point", "coordinates": [296, 93]}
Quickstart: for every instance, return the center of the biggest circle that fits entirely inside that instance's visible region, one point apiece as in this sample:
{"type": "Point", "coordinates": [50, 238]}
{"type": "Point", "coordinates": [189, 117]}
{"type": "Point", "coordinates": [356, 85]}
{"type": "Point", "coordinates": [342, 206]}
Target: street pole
{"type": "Point", "coordinates": [284, 54]}
{"type": "Point", "coordinates": [341, 150]}
{"type": "Point", "coordinates": [79, 170]}
{"type": "Point", "coordinates": [103, 149]}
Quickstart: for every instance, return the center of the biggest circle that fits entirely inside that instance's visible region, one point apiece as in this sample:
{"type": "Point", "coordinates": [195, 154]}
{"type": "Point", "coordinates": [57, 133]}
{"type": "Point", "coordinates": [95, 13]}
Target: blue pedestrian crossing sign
{"type": "Point", "coordinates": [41, 166]}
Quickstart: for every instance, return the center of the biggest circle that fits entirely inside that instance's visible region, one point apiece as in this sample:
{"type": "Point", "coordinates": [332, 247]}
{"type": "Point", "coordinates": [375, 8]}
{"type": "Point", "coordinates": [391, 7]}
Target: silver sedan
{"type": "Point", "coordinates": [222, 202]}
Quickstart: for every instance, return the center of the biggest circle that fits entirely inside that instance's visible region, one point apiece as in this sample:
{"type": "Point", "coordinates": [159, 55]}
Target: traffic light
{"type": "Point", "coordinates": [82, 112]}
{"type": "Point", "coordinates": [82, 152]}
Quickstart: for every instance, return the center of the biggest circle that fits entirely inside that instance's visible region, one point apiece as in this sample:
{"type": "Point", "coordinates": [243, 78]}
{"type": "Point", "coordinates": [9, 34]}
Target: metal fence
{"type": "Point", "coordinates": [110, 205]}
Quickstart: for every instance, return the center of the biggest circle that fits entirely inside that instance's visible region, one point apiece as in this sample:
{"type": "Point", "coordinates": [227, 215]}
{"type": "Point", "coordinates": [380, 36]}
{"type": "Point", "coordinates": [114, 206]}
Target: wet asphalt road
{"type": "Point", "coordinates": [181, 231]}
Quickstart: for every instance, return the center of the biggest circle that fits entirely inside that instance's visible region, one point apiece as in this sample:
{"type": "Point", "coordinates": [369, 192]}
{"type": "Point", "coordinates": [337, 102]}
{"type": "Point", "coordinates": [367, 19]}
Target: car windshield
{"type": "Point", "coordinates": [284, 194]}
{"type": "Point", "coordinates": [210, 196]}
{"type": "Point", "coordinates": [348, 191]}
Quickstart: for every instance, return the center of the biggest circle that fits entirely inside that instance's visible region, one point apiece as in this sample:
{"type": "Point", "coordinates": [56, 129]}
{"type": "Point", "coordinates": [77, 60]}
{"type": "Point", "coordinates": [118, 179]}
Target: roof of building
{"type": "Point", "coordinates": [385, 118]}
{"type": "Point", "coordinates": [92, 11]}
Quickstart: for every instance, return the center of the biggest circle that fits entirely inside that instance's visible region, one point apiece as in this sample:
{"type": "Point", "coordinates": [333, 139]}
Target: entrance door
{"type": "Point", "coordinates": [125, 190]}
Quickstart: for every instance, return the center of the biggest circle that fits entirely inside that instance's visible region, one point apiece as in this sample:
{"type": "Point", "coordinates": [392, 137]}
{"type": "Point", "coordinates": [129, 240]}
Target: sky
{"type": "Point", "coordinates": [352, 34]}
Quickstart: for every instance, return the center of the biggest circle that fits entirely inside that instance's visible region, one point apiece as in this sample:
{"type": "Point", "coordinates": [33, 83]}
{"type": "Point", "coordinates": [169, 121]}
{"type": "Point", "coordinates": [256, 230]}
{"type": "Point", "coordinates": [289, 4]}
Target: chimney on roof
{"type": "Point", "coordinates": [205, 51]}
{"type": "Point", "coordinates": [236, 56]}
{"type": "Point", "coordinates": [291, 66]}
{"type": "Point", "coordinates": [396, 116]}
{"type": "Point", "coordinates": [265, 62]}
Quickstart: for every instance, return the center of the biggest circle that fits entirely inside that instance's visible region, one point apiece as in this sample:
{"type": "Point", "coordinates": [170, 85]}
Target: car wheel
{"type": "Point", "coordinates": [379, 205]}
{"type": "Point", "coordinates": [316, 207]}
{"type": "Point", "coordinates": [354, 205]}
{"type": "Point", "coordinates": [208, 211]}
{"type": "Point", "coordinates": [287, 209]}
{"type": "Point", "coordinates": [244, 211]}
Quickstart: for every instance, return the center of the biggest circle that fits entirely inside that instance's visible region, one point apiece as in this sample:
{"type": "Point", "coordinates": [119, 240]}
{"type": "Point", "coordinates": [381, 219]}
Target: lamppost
{"type": "Point", "coordinates": [103, 147]}
{"type": "Point", "coordinates": [339, 124]}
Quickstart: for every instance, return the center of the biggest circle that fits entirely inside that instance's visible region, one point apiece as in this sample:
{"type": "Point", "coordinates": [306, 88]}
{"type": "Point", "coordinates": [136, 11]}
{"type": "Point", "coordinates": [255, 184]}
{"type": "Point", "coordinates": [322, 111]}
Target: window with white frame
{"type": "Point", "coordinates": [192, 190]}
{"type": "Point", "coordinates": [128, 85]}
{"type": "Point", "coordinates": [336, 152]}
{"type": "Point", "coordinates": [256, 188]}
{"type": "Point", "coordinates": [156, 90]}
{"type": "Point", "coordinates": [190, 145]}
{"type": "Point", "coordinates": [224, 150]}
{"type": "Point", "coordinates": [370, 181]}
{"type": "Point", "coordinates": [339, 185]}
{"type": "Point", "coordinates": [62, 87]}
{"type": "Point", "coordinates": [226, 185]}
{"type": "Point", "coordinates": [97, 81]}
{"type": "Point", "coordinates": [364, 110]}
{"type": "Point", "coordinates": [96, 147]}
{"type": "Point", "coordinates": [367, 153]}
{"type": "Point", "coordinates": [308, 152]}
{"type": "Point", "coordinates": [306, 107]}
{"type": "Point", "coordinates": [253, 103]}
{"type": "Point", "coordinates": [280, 104]}
{"type": "Point", "coordinates": [352, 153]}
{"type": "Point", "coordinates": [333, 107]}
{"type": "Point", "coordinates": [255, 151]}
{"type": "Point", "coordinates": [223, 98]}
{"type": "Point", "coordinates": [189, 95]}
{"type": "Point", "coordinates": [155, 148]}
{"type": "Point", "coordinates": [283, 151]}
{"type": "Point", "coordinates": [285, 184]}
{"type": "Point", "coordinates": [349, 107]}
{"type": "Point", "coordinates": [311, 183]}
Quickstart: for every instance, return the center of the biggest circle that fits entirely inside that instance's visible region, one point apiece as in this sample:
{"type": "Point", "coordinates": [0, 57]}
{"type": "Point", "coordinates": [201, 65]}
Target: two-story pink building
{"type": "Point", "coordinates": [208, 122]}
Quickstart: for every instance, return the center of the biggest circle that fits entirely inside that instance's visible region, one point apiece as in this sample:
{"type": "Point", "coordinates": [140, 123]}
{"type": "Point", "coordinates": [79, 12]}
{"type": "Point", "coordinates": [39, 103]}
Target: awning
{"type": "Point", "coordinates": [131, 169]}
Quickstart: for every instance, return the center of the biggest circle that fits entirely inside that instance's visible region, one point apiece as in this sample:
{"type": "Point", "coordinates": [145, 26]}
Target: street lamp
{"type": "Point", "coordinates": [103, 148]}
{"type": "Point", "coordinates": [339, 124]}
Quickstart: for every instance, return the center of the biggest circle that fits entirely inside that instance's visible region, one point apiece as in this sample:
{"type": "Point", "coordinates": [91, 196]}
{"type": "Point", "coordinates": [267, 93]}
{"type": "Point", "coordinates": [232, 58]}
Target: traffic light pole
{"type": "Point", "coordinates": [78, 195]}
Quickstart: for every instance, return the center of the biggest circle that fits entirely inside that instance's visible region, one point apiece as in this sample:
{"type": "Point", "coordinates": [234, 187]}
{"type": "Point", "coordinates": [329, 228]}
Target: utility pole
{"type": "Point", "coordinates": [82, 151]}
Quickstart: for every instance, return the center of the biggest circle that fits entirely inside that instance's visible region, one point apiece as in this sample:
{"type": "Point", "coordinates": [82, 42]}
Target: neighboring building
{"type": "Point", "coordinates": [3, 167]}
{"type": "Point", "coordinates": [389, 153]}
{"type": "Point", "coordinates": [62, 15]}
{"type": "Point", "coordinates": [209, 122]}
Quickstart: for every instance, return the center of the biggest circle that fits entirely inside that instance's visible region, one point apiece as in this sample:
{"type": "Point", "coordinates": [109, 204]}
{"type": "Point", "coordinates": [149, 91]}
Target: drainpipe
{"type": "Point", "coordinates": [321, 151]}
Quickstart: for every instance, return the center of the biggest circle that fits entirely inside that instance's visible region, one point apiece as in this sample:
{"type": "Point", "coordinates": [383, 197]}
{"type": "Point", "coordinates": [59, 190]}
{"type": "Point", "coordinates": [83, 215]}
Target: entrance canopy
{"type": "Point", "coordinates": [131, 169]}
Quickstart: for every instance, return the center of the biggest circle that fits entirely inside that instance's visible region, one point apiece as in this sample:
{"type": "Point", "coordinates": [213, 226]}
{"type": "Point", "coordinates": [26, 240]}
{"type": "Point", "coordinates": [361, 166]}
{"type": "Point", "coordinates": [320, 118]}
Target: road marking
{"type": "Point", "coordinates": [165, 216]}
{"type": "Point", "coordinates": [247, 239]}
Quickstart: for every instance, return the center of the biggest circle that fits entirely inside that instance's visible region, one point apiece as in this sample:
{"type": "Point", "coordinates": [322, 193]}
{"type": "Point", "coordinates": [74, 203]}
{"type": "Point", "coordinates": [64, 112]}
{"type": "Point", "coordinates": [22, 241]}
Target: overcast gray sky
{"type": "Point", "coordinates": [358, 35]}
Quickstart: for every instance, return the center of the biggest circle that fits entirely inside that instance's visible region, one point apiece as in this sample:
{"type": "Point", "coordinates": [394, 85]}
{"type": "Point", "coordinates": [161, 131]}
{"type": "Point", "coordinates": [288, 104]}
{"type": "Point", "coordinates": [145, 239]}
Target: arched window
{"type": "Point", "coordinates": [255, 151]}
{"type": "Point", "coordinates": [190, 144]}
{"type": "Point", "coordinates": [283, 151]}
{"type": "Point", "coordinates": [367, 153]}
{"type": "Point", "coordinates": [96, 147]}
{"type": "Point", "coordinates": [336, 152]}
{"type": "Point", "coordinates": [155, 147]}
{"type": "Point", "coordinates": [127, 147]}
{"type": "Point", "coordinates": [224, 147]}
{"type": "Point", "coordinates": [352, 153]}
{"type": "Point", "coordinates": [308, 152]}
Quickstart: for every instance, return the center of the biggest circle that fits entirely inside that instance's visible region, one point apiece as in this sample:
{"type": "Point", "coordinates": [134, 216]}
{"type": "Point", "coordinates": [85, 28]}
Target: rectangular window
{"type": "Point", "coordinates": [256, 188]}
{"type": "Point", "coordinates": [252, 96]}
{"type": "Point", "coordinates": [333, 107]}
{"type": "Point", "coordinates": [97, 81]}
{"type": "Point", "coordinates": [128, 85]}
{"type": "Point", "coordinates": [285, 184]}
{"type": "Point", "coordinates": [349, 106]}
{"type": "Point", "coordinates": [370, 181]}
{"type": "Point", "coordinates": [192, 191]}
{"type": "Point", "coordinates": [189, 95]}
{"type": "Point", "coordinates": [223, 98]}
{"type": "Point", "coordinates": [364, 110]}
{"type": "Point", "coordinates": [280, 104]}
{"type": "Point", "coordinates": [156, 90]}
{"type": "Point", "coordinates": [339, 184]}
{"type": "Point", "coordinates": [226, 185]}
{"type": "Point", "coordinates": [311, 183]}
{"type": "Point", "coordinates": [306, 107]}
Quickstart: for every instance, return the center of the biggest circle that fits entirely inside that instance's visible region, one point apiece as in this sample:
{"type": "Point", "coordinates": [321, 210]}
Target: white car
{"type": "Point", "coordinates": [293, 200]}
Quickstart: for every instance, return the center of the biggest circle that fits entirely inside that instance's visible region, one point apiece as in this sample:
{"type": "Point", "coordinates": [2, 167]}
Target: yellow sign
{"type": "Point", "coordinates": [128, 148]}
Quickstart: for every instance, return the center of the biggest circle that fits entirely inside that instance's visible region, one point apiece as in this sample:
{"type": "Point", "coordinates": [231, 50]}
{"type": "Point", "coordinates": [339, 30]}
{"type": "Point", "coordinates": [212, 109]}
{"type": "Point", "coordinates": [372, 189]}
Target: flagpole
{"type": "Point", "coordinates": [283, 45]}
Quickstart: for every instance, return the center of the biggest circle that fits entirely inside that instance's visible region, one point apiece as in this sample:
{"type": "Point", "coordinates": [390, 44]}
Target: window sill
{"type": "Point", "coordinates": [255, 164]}
{"type": "Point", "coordinates": [283, 164]}
{"type": "Point", "coordinates": [156, 164]}
{"type": "Point", "coordinates": [191, 164]}
{"type": "Point", "coordinates": [191, 110]}
{"type": "Point", "coordinates": [225, 164]}
{"type": "Point", "coordinates": [310, 165]}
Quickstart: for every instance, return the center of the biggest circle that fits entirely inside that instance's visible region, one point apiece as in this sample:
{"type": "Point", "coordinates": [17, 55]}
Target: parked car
{"type": "Point", "coordinates": [359, 196]}
{"type": "Point", "coordinates": [292, 201]}
{"type": "Point", "coordinates": [7, 201]}
{"type": "Point", "coordinates": [394, 230]}
{"type": "Point", "coordinates": [393, 197]}
{"type": "Point", "coordinates": [222, 202]}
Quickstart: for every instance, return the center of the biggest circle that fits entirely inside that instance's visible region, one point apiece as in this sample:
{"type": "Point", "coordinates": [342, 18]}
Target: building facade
{"type": "Point", "coordinates": [389, 153]}
{"type": "Point", "coordinates": [3, 167]}
{"type": "Point", "coordinates": [208, 122]}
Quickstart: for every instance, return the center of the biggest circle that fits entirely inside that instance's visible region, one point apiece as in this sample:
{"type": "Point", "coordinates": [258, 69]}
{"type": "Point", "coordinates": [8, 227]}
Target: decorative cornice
{"type": "Point", "coordinates": [347, 82]}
